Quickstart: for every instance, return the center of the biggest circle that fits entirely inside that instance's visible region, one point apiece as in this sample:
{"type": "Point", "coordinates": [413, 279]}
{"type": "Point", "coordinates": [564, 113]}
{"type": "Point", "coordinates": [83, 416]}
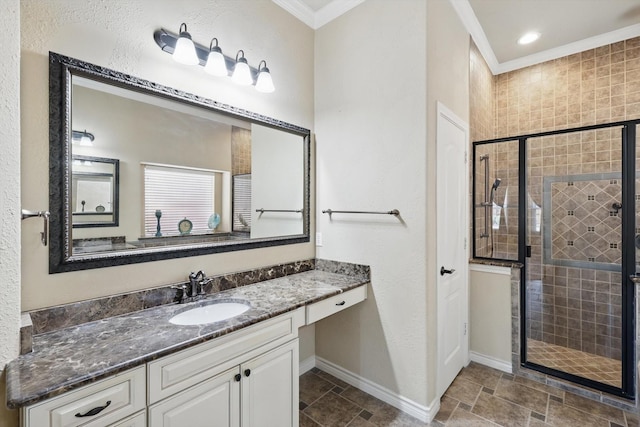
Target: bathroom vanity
{"type": "Point", "coordinates": [139, 369]}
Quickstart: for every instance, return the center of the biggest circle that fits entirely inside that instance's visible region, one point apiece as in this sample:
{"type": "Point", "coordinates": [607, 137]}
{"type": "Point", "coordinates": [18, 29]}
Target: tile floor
{"type": "Point", "coordinates": [479, 396]}
{"type": "Point", "coordinates": [603, 369]}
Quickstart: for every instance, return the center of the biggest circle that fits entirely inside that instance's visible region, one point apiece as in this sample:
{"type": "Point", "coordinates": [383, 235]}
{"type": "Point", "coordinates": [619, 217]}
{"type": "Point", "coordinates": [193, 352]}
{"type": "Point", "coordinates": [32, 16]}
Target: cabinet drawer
{"type": "Point", "coordinates": [121, 395]}
{"type": "Point", "coordinates": [181, 370]}
{"type": "Point", "coordinates": [336, 303]}
{"type": "Point", "coordinates": [138, 420]}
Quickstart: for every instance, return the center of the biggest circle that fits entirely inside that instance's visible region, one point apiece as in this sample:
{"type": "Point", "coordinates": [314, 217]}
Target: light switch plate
{"type": "Point", "coordinates": [318, 239]}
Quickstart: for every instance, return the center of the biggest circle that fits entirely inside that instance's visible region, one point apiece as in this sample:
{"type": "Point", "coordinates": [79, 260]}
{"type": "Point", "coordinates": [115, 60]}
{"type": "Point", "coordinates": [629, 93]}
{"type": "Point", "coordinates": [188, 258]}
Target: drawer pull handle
{"type": "Point", "coordinates": [247, 372]}
{"type": "Point", "coordinates": [94, 411]}
{"type": "Point", "coordinates": [341, 303]}
{"type": "Point", "coordinates": [237, 377]}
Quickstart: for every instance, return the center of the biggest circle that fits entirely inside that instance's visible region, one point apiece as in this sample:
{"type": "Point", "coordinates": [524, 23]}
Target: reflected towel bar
{"type": "Point", "coordinates": [40, 214]}
{"type": "Point", "coordinates": [279, 210]}
{"type": "Point", "coordinates": [394, 212]}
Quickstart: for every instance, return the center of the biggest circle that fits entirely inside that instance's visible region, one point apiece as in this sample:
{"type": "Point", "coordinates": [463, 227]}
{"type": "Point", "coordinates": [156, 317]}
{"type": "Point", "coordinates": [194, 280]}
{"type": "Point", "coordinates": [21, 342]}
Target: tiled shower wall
{"type": "Point", "coordinates": [596, 86]}
{"type": "Point", "coordinates": [240, 151]}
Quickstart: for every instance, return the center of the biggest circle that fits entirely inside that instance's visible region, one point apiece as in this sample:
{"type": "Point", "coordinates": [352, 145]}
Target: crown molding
{"type": "Point", "coordinates": [323, 16]}
{"type": "Point", "coordinates": [470, 21]}
{"type": "Point", "coordinates": [570, 49]}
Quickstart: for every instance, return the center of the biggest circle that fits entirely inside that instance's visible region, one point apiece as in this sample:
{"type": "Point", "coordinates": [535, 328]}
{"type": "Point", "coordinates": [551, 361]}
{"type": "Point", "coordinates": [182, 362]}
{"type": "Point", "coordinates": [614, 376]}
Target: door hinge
{"type": "Point", "coordinates": [465, 328]}
{"type": "Point", "coordinates": [465, 243]}
{"type": "Point", "coordinates": [465, 157]}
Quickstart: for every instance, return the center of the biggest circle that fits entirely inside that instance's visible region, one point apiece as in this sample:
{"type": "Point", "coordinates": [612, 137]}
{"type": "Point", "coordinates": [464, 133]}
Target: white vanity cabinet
{"type": "Point", "coordinates": [104, 403]}
{"type": "Point", "coordinates": [248, 378]}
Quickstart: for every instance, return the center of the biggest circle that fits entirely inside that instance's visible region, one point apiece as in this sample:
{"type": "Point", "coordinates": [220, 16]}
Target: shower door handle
{"type": "Point", "coordinates": [444, 271]}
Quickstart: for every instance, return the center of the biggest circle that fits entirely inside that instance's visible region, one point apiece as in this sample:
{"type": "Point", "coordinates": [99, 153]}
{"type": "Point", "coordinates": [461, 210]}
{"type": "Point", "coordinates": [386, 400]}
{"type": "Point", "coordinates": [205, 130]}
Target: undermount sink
{"type": "Point", "coordinates": [214, 312]}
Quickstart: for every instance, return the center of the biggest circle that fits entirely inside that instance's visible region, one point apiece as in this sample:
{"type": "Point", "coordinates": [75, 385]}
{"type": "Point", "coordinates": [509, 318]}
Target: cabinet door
{"type": "Point", "coordinates": [212, 403]}
{"type": "Point", "coordinates": [270, 388]}
{"type": "Point", "coordinates": [139, 420]}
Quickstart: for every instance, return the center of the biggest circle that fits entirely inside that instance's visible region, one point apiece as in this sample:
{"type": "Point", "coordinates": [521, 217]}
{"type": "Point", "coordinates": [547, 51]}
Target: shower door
{"type": "Point", "coordinates": [578, 296]}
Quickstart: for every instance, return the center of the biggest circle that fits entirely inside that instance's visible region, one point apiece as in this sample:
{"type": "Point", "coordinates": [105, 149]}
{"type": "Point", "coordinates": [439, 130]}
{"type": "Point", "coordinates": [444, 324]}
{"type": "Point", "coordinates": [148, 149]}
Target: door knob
{"type": "Point", "coordinates": [444, 271]}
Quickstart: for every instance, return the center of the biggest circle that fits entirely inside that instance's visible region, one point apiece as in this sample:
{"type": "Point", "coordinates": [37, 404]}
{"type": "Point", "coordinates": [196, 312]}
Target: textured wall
{"type": "Point", "coordinates": [371, 138]}
{"type": "Point", "coordinates": [119, 35]}
{"type": "Point", "coordinates": [9, 195]}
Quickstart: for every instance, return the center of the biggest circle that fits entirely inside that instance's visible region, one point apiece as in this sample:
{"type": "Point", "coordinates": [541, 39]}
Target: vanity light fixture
{"type": "Point", "coordinates": [216, 64]}
{"type": "Point", "coordinates": [213, 60]}
{"type": "Point", "coordinates": [185, 50]}
{"type": "Point", "coordinates": [83, 138]}
{"type": "Point", "coordinates": [264, 83]}
{"type": "Point", "coordinates": [529, 37]}
{"type": "Point", "coordinates": [241, 72]}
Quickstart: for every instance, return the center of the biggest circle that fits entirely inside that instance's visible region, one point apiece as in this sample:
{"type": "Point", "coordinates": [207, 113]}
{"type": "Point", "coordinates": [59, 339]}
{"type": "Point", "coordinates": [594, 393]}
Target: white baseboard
{"type": "Point", "coordinates": [307, 364]}
{"type": "Point", "coordinates": [491, 362]}
{"type": "Point", "coordinates": [421, 412]}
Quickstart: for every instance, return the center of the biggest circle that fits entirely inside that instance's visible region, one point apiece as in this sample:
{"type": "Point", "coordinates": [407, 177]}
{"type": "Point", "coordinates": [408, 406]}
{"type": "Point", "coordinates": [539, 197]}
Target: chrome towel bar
{"type": "Point", "coordinates": [278, 210]}
{"type": "Point", "coordinates": [394, 212]}
{"type": "Point", "coordinates": [39, 214]}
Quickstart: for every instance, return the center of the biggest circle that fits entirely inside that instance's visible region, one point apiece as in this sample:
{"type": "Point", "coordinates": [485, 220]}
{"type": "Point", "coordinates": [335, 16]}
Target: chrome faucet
{"type": "Point", "coordinates": [196, 283]}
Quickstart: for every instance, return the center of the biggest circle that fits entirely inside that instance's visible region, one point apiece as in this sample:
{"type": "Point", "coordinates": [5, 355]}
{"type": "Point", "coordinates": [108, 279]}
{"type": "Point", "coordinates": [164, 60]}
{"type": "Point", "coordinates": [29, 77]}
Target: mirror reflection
{"type": "Point", "coordinates": [94, 191]}
{"type": "Point", "coordinates": [155, 173]}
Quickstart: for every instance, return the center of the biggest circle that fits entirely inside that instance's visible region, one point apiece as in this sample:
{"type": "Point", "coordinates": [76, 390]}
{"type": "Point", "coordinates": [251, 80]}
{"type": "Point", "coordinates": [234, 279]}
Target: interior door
{"type": "Point", "coordinates": [452, 258]}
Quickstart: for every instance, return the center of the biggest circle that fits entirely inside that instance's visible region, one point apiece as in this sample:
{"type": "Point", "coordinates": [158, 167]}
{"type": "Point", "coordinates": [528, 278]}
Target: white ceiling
{"type": "Point", "coordinates": [567, 26]}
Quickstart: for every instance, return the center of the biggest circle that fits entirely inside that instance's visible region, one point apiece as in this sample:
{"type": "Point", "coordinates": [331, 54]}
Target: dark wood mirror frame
{"type": "Point", "coordinates": [61, 258]}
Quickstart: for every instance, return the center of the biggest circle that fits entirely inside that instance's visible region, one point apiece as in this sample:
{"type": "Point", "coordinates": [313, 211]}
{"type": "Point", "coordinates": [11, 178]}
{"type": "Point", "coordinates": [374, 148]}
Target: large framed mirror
{"type": "Point", "coordinates": [192, 176]}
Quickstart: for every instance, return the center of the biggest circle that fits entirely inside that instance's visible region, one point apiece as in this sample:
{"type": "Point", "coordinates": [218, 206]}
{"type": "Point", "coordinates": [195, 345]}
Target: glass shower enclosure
{"type": "Point", "coordinates": [563, 204]}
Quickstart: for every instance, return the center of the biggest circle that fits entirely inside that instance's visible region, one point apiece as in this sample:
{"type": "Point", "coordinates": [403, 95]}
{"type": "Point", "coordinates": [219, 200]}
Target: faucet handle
{"type": "Point", "coordinates": [182, 295]}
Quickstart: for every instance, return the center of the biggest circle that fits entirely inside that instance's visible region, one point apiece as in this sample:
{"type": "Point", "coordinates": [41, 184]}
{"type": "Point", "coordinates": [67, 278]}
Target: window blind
{"type": "Point", "coordinates": [178, 193]}
{"type": "Point", "coordinates": [242, 202]}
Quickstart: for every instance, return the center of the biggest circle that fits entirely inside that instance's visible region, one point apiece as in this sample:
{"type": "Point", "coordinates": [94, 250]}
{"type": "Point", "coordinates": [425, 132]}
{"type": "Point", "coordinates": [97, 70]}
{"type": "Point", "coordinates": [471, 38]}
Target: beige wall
{"type": "Point", "coordinates": [375, 130]}
{"type": "Point", "coordinates": [490, 314]}
{"type": "Point", "coordinates": [370, 145]}
{"type": "Point", "coordinates": [120, 36]}
{"type": "Point", "coordinates": [9, 196]}
{"type": "Point", "coordinates": [448, 83]}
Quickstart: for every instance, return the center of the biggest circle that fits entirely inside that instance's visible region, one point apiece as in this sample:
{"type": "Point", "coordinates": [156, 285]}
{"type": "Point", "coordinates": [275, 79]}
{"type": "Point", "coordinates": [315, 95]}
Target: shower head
{"type": "Point", "coordinates": [494, 187]}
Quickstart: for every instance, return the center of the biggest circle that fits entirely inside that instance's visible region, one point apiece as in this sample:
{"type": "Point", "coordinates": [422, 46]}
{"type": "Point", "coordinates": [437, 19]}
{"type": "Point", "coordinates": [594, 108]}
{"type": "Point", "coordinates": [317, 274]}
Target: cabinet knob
{"type": "Point", "coordinates": [238, 377]}
{"type": "Point", "coordinates": [247, 372]}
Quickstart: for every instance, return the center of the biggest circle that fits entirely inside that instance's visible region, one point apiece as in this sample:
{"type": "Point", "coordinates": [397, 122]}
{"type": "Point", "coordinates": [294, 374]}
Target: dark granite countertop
{"type": "Point", "coordinates": [68, 358]}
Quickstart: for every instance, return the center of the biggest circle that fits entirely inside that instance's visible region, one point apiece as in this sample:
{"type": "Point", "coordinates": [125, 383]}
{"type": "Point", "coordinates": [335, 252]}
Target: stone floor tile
{"type": "Point", "coordinates": [332, 379]}
{"type": "Point", "coordinates": [360, 422]}
{"type": "Point", "coordinates": [463, 390]}
{"type": "Point", "coordinates": [312, 387]}
{"type": "Point", "coordinates": [595, 408]}
{"type": "Point", "coordinates": [482, 375]}
{"type": "Point", "coordinates": [332, 410]}
{"type": "Point", "coordinates": [447, 406]}
{"type": "Point", "coordinates": [364, 400]}
{"type": "Point", "coordinates": [462, 418]}
{"type": "Point", "coordinates": [522, 395]}
{"type": "Point", "coordinates": [500, 411]}
{"type": "Point", "coordinates": [307, 422]}
{"type": "Point", "coordinates": [563, 416]}
{"type": "Point", "coordinates": [533, 422]}
{"type": "Point", "coordinates": [539, 386]}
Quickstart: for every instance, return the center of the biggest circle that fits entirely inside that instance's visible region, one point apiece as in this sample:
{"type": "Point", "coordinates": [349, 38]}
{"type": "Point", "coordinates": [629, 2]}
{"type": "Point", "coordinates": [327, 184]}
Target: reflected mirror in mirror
{"type": "Point", "coordinates": [94, 191]}
{"type": "Point", "coordinates": [194, 176]}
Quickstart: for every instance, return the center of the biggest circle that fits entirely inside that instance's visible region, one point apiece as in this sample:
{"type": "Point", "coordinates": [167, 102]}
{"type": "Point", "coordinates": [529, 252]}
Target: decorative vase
{"type": "Point", "coordinates": [158, 215]}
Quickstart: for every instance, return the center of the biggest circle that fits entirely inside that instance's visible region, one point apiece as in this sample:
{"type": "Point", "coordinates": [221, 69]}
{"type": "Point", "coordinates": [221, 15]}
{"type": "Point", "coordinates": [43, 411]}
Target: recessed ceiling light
{"type": "Point", "coordinates": [529, 38]}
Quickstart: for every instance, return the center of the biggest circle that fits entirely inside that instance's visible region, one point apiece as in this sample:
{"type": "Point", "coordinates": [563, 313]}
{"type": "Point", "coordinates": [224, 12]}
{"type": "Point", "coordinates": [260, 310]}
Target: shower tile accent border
{"type": "Point", "coordinates": [68, 315]}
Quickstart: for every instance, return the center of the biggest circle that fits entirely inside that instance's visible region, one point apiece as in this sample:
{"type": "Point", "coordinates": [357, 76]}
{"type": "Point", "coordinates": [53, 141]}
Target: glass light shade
{"type": "Point", "coordinates": [216, 65]}
{"type": "Point", "coordinates": [242, 73]}
{"type": "Point", "coordinates": [264, 82]}
{"type": "Point", "coordinates": [185, 50]}
{"type": "Point", "coordinates": [529, 38]}
{"type": "Point", "coordinates": [85, 141]}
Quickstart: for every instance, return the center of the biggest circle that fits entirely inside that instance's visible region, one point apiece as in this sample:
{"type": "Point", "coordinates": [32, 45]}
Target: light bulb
{"type": "Point", "coordinates": [185, 50]}
{"type": "Point", "coordinates": [264, 83]}
{"type": "Point", "coordinates": [216, 64]}
{"type": "Point", "coordinates": [241, 72]}
{"type": "Point", "coordinates": [529, 38]}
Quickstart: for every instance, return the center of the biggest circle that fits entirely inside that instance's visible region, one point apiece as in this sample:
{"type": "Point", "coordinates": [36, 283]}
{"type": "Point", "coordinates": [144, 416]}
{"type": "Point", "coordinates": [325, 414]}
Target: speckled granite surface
{"type": "Point", "coordinates": [75, 356]}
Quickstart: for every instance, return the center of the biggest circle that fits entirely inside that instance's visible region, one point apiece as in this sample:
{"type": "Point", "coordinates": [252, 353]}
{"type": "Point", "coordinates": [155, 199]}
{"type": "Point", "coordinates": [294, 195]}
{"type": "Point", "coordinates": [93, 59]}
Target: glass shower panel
{"type": "Point", "coordinates": [495, 202]}
{"type": "Point", "coordinates": [573, 281]}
